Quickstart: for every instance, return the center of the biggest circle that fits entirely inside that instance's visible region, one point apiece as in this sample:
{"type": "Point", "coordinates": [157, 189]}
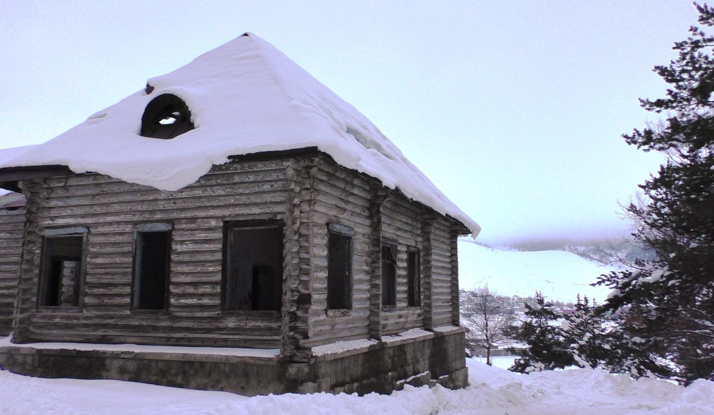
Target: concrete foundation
{"type": "Point", "coordinates": [382, 367]}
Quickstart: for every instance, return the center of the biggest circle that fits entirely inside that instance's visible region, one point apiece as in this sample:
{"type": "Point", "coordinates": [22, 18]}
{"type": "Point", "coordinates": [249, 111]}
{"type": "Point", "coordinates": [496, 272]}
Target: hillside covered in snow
{"type": "Point", "coordinates": [558, 275]}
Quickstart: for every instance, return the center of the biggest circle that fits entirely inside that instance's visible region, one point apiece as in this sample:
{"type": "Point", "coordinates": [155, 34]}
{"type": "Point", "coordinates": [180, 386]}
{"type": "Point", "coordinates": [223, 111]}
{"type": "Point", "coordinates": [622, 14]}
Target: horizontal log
{"type": "Point", "coordinates": [215, 233]}
{"type": "Point", "coordinates": [110, 248]}
{"type": "Point", "coordinates": [97, 279]}
{"type": "Point", "coordinates": [341, 205]}
{"type": "Point", "coordinates": [335, 171]}
{"type": "Point", "coordinates": [130, 195]}
{"type": "Point", "coordinates": [329, 213]}
{"type": "Point", "coordinates": [107, 290]}
{"type": "Point", "coordinates": [346, 195]}
{"type": "Point", "coordinates": [215, 245]}
{"type": "Point", "coordinates": [163, 205]}
{"type": "Point", "coordinates": [189, 267]}
{"type": "Point", "coordinates": [324, 337]}
{"type": "Point", "coordinates": [8, 215]}
{"type": "Point", "coordinates": [109, 238]}
{"type": "Point", "coordinates": [94, 180]}
{"type": "Point", "coordinates": [195, 277]}
{"type": "Point", "coordinates": [154, 338]}
{"type": "Point", "coordinates": [166, 321]}
{"type": "Point", "coordinates": [195, 289]}
{"type": "Point", "coordinates": [16, 234]}
{"type": "Point", "coordinates": [14, 225]}
{"type": "Point", "coordinates": [212, 256]}
{"type": "Point", "coordinates": [229, 211]}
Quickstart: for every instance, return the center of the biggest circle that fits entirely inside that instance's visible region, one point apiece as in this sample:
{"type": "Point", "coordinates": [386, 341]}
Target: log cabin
{"type": "Point", "coordinates": [232, 226]}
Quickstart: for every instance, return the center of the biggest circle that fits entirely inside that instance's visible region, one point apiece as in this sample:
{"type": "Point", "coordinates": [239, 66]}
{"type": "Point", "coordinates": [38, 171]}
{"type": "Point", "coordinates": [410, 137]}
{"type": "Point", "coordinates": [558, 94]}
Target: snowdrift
{"type": "Point", "coordinates": [493, 391]}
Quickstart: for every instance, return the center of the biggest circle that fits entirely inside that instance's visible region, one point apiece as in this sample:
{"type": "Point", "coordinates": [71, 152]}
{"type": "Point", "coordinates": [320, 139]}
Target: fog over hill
{"type": "Point", "coordinates": [606, 250]}
{"type": "Point", "coordinates": [559, 275]}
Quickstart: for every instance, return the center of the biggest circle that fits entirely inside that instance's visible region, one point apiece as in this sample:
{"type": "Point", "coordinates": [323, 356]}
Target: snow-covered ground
{"type": "Point", "coordinates": [558, 275]}
{"type": "Point", "coordinates": [492, 391]}
{"type": "Point", "coordinates": [503, 362]}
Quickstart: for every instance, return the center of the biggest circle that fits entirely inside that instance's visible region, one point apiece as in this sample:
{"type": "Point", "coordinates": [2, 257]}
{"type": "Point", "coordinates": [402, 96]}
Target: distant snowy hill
{"type": "Point", "coordinates": [606, 250]}
{"type": "Point", "coordinates": [558, 275]}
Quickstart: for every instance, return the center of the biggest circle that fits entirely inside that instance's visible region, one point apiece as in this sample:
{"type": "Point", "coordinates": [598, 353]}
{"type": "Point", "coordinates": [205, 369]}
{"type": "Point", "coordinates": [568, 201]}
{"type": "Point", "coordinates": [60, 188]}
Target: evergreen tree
{"type": "Point", "coordinates": [585, 335]}
{"type": "Point", "coordinates": [546, 348]}
{"type": "Point", "coordinates": [666, 306]}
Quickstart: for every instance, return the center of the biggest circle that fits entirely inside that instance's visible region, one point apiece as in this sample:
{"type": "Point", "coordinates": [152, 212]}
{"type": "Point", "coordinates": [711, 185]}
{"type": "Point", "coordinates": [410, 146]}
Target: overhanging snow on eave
{"type": "Point", "coordinates": [265, 155]}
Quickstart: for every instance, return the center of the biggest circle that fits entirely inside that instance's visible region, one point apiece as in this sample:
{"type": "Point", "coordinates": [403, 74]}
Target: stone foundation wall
{"type": "Point", "coordinates": [381, 367]}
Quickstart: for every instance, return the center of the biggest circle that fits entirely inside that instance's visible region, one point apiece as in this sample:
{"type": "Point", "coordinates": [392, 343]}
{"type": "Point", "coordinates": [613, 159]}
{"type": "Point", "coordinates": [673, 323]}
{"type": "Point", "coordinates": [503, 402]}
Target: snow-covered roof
{"type": "Point", "coordinates": [8, 154]}
{"type": "Point", "coordinates": [244, 97]}
{"type": "Point", "coordinates": [12, 200]}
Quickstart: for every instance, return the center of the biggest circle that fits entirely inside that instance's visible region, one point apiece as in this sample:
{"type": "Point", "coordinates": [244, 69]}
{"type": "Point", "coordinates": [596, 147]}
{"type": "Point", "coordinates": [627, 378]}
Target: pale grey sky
{"type": "Point", "coordinates": [513, 108]}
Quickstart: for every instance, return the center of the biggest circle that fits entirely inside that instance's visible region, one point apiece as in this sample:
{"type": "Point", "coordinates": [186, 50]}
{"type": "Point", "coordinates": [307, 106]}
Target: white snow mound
{"type": "Point", "coordinates": [244, 97]}
{"type": "Point", "coordinates": [492, 391]}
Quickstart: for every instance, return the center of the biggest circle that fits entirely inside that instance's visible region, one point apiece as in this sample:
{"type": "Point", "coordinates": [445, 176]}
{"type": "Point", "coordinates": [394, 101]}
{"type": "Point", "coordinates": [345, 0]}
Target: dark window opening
{"type": "Point", "coordinates": [167, 116]}
{"type": "Point", "coordinates": [413, 279]}
{"type": "Point", "coordinates": [339, 271]}
{"type": "Point", "coordinates": [61, 272]}
{"type": "Point", "coordinates": [389, 274]}
{"type": "Point", "coordinates": [151, 270]}
{"type": "Point", "coordinates": [253, 273]}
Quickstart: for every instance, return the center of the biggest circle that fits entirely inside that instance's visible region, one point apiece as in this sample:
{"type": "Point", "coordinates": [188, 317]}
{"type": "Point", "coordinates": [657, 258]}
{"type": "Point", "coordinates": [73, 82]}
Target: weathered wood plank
{"type": "Point", "coordinates": [158, 205]}
{"type": "Point", "coordinates": [12, 229]}
{"type": "Point", "coordinates": [130, 194]}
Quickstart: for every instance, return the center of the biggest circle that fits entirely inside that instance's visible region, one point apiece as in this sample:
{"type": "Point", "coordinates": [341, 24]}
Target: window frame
{"type": "Point", "coordinates": [148, 228]}
{"type": "Point", "coordinates": [349, 233]}
{"type": "Point", "coordinates": [393, 247]}
{"type": "Point", "coordinates": [66, 232]}
{"type": "Point", "coordinates": [228, 225]}
{"type": "Point", "coordinates": [418, 283]}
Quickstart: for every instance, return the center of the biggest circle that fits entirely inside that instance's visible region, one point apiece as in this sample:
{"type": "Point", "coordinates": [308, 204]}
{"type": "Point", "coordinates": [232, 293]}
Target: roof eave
{"type": "Point", "coordinates": [11, 176]}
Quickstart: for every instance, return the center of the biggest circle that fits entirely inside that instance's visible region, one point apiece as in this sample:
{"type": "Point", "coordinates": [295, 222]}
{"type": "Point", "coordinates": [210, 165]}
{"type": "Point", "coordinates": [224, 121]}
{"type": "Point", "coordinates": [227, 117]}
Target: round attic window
{"type": "Point", "coordinates": [167, 116]}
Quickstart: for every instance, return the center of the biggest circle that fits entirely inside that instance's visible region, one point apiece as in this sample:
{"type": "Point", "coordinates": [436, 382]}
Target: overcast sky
{"type": "Point", "coordinates": [514, 109]}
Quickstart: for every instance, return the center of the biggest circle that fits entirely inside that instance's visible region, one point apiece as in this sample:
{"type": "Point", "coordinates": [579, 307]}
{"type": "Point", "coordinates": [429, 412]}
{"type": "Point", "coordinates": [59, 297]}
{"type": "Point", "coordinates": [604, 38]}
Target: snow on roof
{"type": "Point", "coordinates": [8, 154]}
{"type": "Point", "coordinates": [11, 200]}
{"type": "Point", "coordinates": [244, 97]}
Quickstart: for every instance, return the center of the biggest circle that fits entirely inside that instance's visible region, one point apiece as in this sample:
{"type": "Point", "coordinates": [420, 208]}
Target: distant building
{"type": "Point", "coordinates": [244, 226]}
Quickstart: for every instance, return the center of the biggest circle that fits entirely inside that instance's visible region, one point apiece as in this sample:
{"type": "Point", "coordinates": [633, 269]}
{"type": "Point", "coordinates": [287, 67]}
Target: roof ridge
{"type": "Point", "coordinates": [266, 64]}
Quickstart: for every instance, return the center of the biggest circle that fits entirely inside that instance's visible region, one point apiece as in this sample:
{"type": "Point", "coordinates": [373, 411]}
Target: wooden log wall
{"type": "Point", "coordinates": [456, 230]}
{"type": "Point", "coordinates": [379, 197]}
{"type": "Point", "coordinates": [110, 209]}
{"type": "Point", "coordinates": [442, 273]}
{"type": "Point", "coordinates": [297, 264]}
{"type": "Point", "coordinates": [402, 222]}
{"type": "Point", "coordinates": [12, 226]}
{"type": "Point", "coordinates": [427, 302]}
{"type": "Point", "coordinates": [343, 196]}
{"type": "Point", "coordinates": [307, 193]}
